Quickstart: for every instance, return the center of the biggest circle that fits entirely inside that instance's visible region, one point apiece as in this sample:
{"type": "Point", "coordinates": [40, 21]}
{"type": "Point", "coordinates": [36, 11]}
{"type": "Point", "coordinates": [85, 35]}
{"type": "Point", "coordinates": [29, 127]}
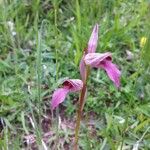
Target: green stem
{"type": "Point", "coordinates": [56, 6]}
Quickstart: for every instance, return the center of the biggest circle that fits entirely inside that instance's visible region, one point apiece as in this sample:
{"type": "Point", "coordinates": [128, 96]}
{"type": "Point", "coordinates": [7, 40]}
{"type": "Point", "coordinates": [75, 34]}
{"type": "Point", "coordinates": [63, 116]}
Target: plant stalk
{"type": "Point", "coordinates": [79, 114]}
{"type": "Point", "coordinates": [81, 105]}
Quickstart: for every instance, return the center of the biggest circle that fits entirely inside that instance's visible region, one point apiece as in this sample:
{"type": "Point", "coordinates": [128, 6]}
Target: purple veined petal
{"type": "Point", "coordinates": [94, 59]}
{"type": "Point", "coordinates": [73, 85]}
{"type": "Point", "coordinates": [112, 71]}
{"type": "Point", "coordinates": [92, 44]}
{"type": "Point", "coordinates": [82, 68]}
{"type": "Point", "coordinates": [58, 97]}
{"type": "Point", "coordinates": [104, 61]}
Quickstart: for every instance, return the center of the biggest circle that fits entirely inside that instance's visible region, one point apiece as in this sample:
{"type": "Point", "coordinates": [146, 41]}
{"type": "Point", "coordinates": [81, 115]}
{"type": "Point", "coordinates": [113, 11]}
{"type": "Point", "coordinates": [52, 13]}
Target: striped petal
{"type": "Point", "coordinates": [92, 44]}
{"type": "Point", "coordinates": [74, 85]}
{"type": "Point", "coordinates": [94, 59]}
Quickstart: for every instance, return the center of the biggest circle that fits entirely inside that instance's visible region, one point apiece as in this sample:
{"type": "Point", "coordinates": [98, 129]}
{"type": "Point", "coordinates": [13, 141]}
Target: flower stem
{"type": "Point", "coordinates": [79, 112]}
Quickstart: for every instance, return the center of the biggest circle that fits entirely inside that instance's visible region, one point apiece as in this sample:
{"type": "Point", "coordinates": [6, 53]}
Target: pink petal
{"type": "Point", "coordinates": [73, 84]}
{"type": "Point", "coordinates": [92, 44]}
{"type": "Point", "coordinates": [58, 97]}
{"type": "Point", "coordinates": [112, 72]}
{"type": "Point", "coordinates": [104, 61]}
{"type": "Point", "coordinates": [82, 68]}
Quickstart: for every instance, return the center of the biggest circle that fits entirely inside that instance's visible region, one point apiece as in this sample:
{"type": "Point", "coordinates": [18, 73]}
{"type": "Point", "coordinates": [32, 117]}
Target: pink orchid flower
{"type": "Point", "coordinates": [104, 61]}
{"type": "Point", "coordinates": [92, 45]}
{"type": "Point", "coordinates": [70, 85]}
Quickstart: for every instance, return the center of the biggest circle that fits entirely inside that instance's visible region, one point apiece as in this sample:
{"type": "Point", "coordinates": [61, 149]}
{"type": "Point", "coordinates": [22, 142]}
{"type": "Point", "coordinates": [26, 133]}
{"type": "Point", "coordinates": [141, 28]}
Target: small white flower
{"type": "Point", "coordinates": [119, 119]}
{"type": "Point", "coordinates": [13, 33]}
{"type": "Point", "coordinates": [10, 25]}
{"type": "Point", "coordinates": [44, 67]}
{"type": "Point", "coordinates": [11, 28]}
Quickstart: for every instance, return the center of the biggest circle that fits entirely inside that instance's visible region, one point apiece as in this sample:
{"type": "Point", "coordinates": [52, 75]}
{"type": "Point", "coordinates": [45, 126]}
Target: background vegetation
{"type": "Point", "coordinates": [41, 43]}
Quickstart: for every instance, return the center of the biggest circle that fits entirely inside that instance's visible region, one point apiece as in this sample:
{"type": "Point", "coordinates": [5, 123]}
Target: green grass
{"type": "Point", "coordinates": [50, 37]}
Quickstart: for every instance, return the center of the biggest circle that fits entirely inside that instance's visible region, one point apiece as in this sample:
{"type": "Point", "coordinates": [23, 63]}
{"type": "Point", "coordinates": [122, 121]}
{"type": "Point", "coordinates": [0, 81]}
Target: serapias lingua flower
{"type": "Point", "coordinates": [69, 85]}
{"type": "Point", "coordinates": [104, 61]}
